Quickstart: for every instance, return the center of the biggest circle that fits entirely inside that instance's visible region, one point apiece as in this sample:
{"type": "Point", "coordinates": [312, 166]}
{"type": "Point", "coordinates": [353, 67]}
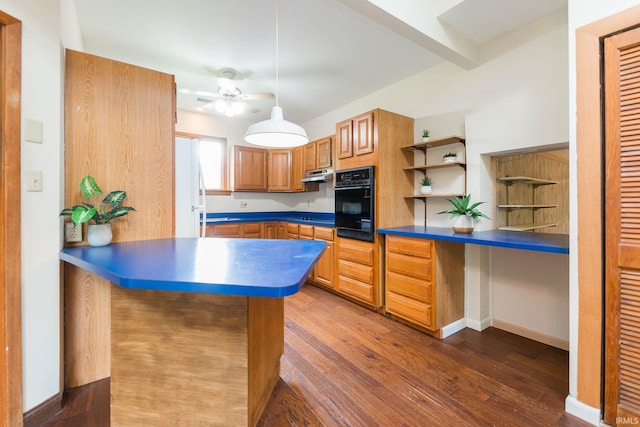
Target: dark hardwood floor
{"type": "Point", "coordinates": [347, 366]}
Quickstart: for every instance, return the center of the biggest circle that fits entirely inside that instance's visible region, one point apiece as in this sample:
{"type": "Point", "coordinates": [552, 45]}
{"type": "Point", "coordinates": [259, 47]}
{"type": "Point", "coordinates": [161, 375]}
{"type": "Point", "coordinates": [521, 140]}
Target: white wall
{"type": "Point", "coordinates": [42, 74]}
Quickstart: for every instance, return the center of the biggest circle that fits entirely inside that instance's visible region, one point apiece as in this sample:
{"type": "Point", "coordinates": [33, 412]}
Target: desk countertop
{"type": "Point", "coordinates": [540, 242]}
{"type": "Point", "coordinates": [248, 267]}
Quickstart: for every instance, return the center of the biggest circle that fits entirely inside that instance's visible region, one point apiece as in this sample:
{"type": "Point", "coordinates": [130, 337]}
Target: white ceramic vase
{"type": "Point", "coordinates": [426, 139]}
{"type": "Point", "coordinates": [463, 224]}
{"type": "Point", "coordinates": [99, 234]}
{"type": "Point", "coordinates": [449, 159]}
{"type": "Point", "coordinates": [425, 189]}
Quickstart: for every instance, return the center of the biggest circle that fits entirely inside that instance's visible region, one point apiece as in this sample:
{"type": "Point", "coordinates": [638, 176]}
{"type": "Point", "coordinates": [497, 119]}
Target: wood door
{"type": "Point", "coordinates": [279, 170]}
{"type": "Point", "coordinates": [344, 139]}
{"type": "Point", "coordinates": [249, 168]}
{"type": "Point", "coordinates": [363, 139]}
{"type": "Point", "coordinates": [309, 156]}
{"type": "Point", "coordinates": [10, 252]}
{"type": "Point", "coordinates": [622, 228]}
{"type": "Point", "coordinates": [323, 153]}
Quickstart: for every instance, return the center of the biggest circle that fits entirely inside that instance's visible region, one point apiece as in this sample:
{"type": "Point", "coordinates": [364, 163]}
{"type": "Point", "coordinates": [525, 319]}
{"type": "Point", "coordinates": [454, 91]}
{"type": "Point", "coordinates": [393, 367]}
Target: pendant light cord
{"type": "Point", "coordinates": [277, 53]}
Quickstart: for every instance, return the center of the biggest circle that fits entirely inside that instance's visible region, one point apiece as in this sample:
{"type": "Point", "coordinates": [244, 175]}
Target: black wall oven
{"type": "Point", "coordinates": [355, 203]}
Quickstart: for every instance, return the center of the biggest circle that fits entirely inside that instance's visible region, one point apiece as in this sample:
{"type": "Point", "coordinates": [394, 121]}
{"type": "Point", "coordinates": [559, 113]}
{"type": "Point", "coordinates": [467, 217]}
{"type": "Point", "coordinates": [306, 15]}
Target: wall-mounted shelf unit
{"type": "Point", "coordinates": [446, 183]}
{"type": "Point", "coordinates": [521, 194]}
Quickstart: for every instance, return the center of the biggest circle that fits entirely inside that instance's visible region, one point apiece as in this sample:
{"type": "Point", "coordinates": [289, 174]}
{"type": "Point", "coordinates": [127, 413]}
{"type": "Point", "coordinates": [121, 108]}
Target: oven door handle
{"type": "Point", "coordinates": [359, 187]}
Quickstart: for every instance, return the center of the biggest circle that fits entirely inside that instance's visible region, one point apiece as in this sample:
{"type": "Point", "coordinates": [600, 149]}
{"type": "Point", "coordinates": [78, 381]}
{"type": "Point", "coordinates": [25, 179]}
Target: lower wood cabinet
{"type": "Point", "coordinates": [251, 230]}
{"type": "Point", "coordinates": [275, 230]}
{"type": "Point", "coordinates": [358, 271]}
{"type": "Point", "coordinates": [424, 281]}
{"type": "Point", "coordinates": [323, 272]}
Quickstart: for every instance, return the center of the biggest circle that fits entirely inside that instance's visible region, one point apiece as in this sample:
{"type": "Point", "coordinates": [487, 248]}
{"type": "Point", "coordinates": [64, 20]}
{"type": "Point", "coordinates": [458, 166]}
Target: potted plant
{"type": "Point", "coordinates": [464, 213]}
{"type": "Point", "coordinates": [425, 135]}
{"type": "Point", "coordinates": [425, 185]}
{"type": "Point", "coordinates": [98, 234]}
{"type": "Point", "coordinates": [450, 157]}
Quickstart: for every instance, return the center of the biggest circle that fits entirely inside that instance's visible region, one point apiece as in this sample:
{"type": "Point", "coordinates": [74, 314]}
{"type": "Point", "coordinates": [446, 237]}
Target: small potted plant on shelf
{"type": "Point", "coordinates": [450, 157]}
{"type": "Point", "coordinates": [464, 213]}
{"type": "Point", "coordinates": [425, 135]}
{"type": "Point", "coordinates": [425, 185]}
{"type": "Point", "coordinates": [98, 234]}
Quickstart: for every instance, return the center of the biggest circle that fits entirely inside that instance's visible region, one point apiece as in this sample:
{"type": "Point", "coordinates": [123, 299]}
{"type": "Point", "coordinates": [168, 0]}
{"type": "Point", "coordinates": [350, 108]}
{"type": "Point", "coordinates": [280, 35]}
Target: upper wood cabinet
{"type": "Point", "coordinates": [297, 169]}
{"type": "Point", "coordinates": [355, 136]}
{"type": "Point", "coordinates": [317, 154]}
{"type": "Point", "coordinates": [309, 156]}
{"type": "Point", "coordinates": [250, 168]}
{"type": "Point", "coordinates": [279, 170]}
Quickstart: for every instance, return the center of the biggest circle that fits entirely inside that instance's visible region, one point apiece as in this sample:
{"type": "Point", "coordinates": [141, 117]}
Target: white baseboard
{"type": "Point", "coordinates": [531, 334]}
{"type": "Point", "coordinates": [582, 411]}
{"type": "Point", "coordinates": [452, 328]}
{"type": "Point", "coordinates": [478, 325]}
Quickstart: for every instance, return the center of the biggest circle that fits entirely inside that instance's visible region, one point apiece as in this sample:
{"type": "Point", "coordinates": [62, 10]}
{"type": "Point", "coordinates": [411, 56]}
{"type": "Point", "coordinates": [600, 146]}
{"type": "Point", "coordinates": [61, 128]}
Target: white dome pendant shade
{"type": "Point", "coordinates": [276, 132]}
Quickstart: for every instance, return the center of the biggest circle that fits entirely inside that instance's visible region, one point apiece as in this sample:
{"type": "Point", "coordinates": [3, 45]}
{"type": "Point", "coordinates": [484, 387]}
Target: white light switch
{"type": "Point", "coordinates": [34, 180]}
{"type": "Point", "coordinates": [33, 131]}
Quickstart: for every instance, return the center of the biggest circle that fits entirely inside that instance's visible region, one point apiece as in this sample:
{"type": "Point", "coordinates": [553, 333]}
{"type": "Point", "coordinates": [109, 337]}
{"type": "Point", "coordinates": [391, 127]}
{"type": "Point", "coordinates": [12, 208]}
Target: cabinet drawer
{"type": "Point", "coordinates": [416, 247]}
{"type": "Point", "coordinates": [356, 251]}
{"type": "Point", "coordinates": [292, 228]}
{"type": "Point", "coordinates": [306, 230]}
{"type": "Point", "coordinates": [410, 265]}
{"type": "Point", "coordinates": [324, 233]}
{"type": "Point", "coordinates": [226, 230]}
{"type": "Point", "coordinates": [356, 288]}
{"type": "Point", "coordinates": [420, 290]}
{"type": "Point", "coordinates": [252, 228]}
{"type": "Point", "coordinates": [363, 273]}
{"type": "Point", "coordinates": [410, 309]}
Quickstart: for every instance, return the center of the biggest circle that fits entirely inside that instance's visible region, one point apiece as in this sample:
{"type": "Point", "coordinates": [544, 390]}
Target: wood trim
{"type": "Point", "coordinates": [225, 162]}
{"type": "Point", "coordinates": [588, 146]}
{"type": "Point", "coordinates": [531, 334]}
{"type": "Point", "coordinates": [10, 249]}
{"type": "Point", "coordinates": [44, 412]}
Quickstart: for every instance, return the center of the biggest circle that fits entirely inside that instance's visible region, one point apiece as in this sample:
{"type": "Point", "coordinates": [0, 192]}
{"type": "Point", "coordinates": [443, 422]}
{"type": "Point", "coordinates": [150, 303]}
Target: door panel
{"type": "Point", "coordinates": [622, 222]}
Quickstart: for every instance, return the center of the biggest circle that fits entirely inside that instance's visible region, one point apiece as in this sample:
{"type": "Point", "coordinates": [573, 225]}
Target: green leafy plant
{"type": "Point", "coordinates": [425, 133]}
{"type": "Point", "coordinates": [107, 210]}
{"type": "Point", "coordinates": [461, 207]}
{"type": "Point", "coordinates": [451, 155]}
{"type": "Point", "coordinates": [426, 181]}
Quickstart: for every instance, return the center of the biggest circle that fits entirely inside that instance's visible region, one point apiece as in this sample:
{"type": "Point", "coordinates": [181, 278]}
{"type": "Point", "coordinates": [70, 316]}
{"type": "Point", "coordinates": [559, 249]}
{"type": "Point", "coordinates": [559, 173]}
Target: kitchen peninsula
{"type": "Point", "coordinates": [197, 325]}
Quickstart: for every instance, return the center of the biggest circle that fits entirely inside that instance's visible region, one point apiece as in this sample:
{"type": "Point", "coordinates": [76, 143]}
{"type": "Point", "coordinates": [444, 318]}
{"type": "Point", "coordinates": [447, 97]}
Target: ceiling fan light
{"type": "Point", "coordinates": [220, 106]}
{"type": "Point", "coordinates": [276, 132]}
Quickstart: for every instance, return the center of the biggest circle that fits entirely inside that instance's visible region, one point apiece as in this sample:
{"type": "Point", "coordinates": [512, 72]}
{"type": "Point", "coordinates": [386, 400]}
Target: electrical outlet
{"type": "Point", "coordinates": [243, 203]}
{"type": "Point", "coordinates": [72, 233]}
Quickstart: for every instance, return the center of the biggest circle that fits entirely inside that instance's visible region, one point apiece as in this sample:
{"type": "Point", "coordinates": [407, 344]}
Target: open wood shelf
{"type": "Point", "coordinates": [526, 227]}
{"type": "Point", "coordinates": [423, 146]}
{"type": "Point", "coordinates": [525, 180]}
{"type": "Point", "coordinates": [436, 166]}
{"type": "Point", "coordinates": [527, 206]}
{"type": "Point", "coordinates": [432, 196]}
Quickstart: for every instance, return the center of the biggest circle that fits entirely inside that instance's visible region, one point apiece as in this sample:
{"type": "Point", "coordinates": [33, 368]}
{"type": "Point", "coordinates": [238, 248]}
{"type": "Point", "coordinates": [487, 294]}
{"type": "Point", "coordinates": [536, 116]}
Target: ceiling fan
{"type": "Point", "coordinates": [228, 98]}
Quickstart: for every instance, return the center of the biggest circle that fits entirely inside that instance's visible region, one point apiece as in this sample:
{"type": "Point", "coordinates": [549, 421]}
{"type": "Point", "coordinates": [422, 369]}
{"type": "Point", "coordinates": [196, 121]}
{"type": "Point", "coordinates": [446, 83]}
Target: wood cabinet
{"type": "Point", "coordinates": [279, 170]}
{"type": "Point", "coordinates": [297, 169]}
{"type": "Point", "coordinates": [323, 272]}
{"type": "Point", "coordinates": [357, 267]}
{"type": "Point", "coordinates": [424, 281]}
{"type": "Point", "coordinates": [275, 230]}
{"type": "Point", "coordinates": [250, 168]}
{"type": "Point", "coordinates": [292, 230]}
{"type": "Point", "coordinates": [318, 154]}
{"type": "Point", "coordinates": [355, 136]}
{"type": "Point", "coordinates": [250, 230]}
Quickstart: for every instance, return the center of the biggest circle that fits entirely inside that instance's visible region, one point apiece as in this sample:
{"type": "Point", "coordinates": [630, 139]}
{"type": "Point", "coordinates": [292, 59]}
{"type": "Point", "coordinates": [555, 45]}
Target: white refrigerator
{"type": "Point", "coordinates": [191, 203]}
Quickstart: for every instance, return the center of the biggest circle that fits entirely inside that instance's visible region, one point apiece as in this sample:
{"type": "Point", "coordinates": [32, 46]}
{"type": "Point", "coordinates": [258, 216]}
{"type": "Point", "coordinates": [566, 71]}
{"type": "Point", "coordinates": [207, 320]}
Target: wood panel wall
{"type": "Point", "coordinates": [119, 128]}
{"type": "Point", "coordinates": [540, 166]}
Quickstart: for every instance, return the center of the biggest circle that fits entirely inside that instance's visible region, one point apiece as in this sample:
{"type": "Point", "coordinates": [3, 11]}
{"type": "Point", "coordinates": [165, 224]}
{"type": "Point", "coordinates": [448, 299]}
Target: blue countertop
{"type": "Point", "coordinates": [541, 242]}
{"type": "Point", "coordinates": [312, 218]}
{"type": "Point", "coordinates": [247, 267]}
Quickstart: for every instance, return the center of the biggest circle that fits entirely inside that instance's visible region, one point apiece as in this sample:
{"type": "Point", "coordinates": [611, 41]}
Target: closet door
{"type": "Point", "coordinates": [622, 232]}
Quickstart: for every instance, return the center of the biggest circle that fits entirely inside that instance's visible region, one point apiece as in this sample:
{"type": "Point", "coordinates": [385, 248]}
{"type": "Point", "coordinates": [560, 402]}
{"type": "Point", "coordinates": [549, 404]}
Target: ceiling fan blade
{"type": "Point", "coordinates": [265, 95]}
{"type": "Point", "coordinates": [205, 100]}
{"type": "Point", "coordinates": [250, 108]}
{"type": "Point", "coordinates": [198, 92]}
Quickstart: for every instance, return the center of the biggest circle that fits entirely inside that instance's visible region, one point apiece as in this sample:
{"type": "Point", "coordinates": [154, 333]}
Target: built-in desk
{"type": "Point", "coordinates": [197, 325]}
{"type": "Point", "coordinates": [541, 242]}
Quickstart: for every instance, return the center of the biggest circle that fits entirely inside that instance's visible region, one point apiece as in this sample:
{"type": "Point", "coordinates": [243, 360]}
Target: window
{"type": "Point", "coordinates": [211, 153]}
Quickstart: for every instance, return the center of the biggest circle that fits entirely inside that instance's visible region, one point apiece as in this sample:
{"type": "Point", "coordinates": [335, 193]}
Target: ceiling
{"type": "Point", "coordinates": [330, 52]}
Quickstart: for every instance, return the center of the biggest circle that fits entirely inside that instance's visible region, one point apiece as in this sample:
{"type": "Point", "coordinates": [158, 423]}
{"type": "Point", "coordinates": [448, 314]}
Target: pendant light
{"type": "Point", "coordinates": [276, 132]}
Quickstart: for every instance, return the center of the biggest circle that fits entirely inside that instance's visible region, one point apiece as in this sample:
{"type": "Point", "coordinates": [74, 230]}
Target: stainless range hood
{"type": "Point", "coordinates": [321, 175]}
